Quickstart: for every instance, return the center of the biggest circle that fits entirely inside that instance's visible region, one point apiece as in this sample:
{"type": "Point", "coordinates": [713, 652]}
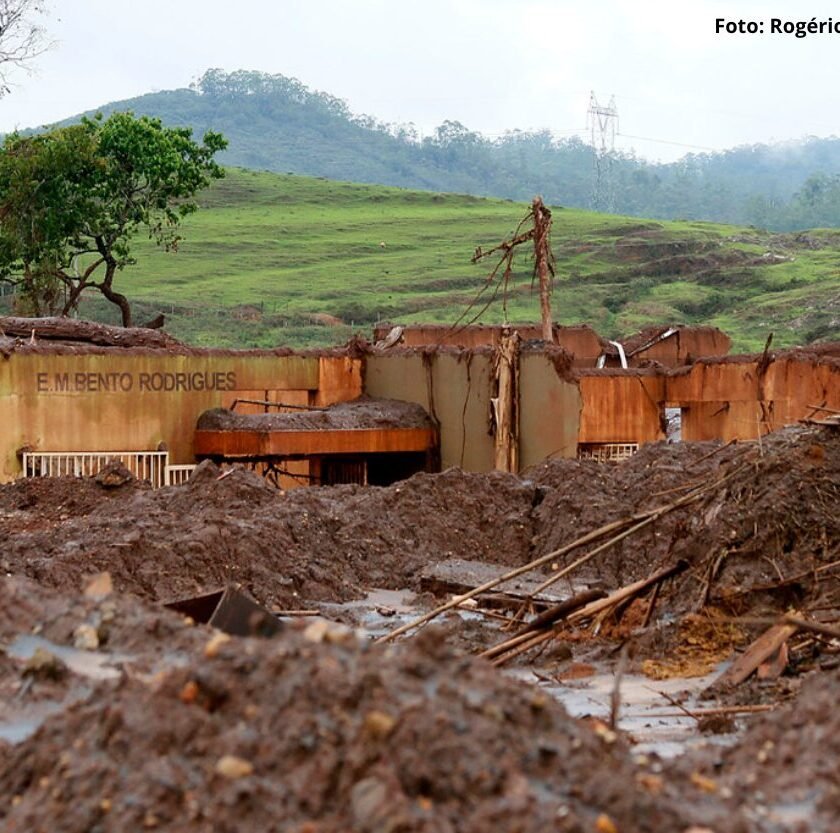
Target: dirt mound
{"type": "Point", "coordinates": [365, 412]}
{"type": "Point", "coordinates": [316, 731]}
{"type": "Point", "coordinates": [754, 539]}
{"type": "Point", "coordinates": [221, 527]}
{"type": "Point", "coordinates": [37, 503]}
{"type": "Point", "coordinates": [760, 534]}
{"type": "Point", "coordinates": [784, 771]}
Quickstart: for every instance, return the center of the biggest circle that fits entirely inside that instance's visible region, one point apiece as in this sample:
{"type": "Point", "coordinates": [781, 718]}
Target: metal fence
{"type": "Point", "coordinates": [178, 475]}
{"type": "Point", "coordinates": [606, 452]}
{"type": "Point", "coordinates": [144, 465]}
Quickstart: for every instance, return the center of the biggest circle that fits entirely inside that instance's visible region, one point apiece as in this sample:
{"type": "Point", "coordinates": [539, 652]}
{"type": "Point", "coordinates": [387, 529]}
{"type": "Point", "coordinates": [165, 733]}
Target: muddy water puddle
{"type": "Point", "coordinates": [94, 664]}
{"type": "Point", "coordinates": [380, 612]}
{"type": "Point", "coordinates": [646, 714]}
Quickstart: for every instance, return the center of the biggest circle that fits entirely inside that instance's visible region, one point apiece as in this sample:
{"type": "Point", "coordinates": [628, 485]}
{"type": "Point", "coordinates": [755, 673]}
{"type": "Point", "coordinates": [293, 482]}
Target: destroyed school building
{"type": "Point", "coordinates": [75, 394]}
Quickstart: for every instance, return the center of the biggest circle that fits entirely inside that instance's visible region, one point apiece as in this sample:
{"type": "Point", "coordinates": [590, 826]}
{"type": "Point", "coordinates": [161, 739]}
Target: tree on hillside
{"type": "Point", "coordinates": [21, 37]}
{"type": "Point", "coordinates": [72, 199]}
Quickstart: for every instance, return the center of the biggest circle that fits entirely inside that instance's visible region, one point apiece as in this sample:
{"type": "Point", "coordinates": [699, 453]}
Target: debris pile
{"type": "Point", "coordinates": [144, 720]}
{"type": "Point", "coordinates": [784, 771]}
{"type": "Point", "coordinates": [313, 730]}
{"type": "Point", "coordinates": [324, 544]}
{"type": "Point", "coordinates": [365, 412]}
{"type": "Point", "coordinates": [756, 524]}
{"type": "Point", "coordinates": [762, 526]}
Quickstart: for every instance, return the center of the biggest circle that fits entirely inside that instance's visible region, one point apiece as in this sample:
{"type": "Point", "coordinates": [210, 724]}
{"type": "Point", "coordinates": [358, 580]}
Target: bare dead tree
{"type": "Point", "coordinates": [543, 263]}
{"type": "Point", "coordinates": [539, 216]}
{"type": "Point", "coordinates": [22, 38]}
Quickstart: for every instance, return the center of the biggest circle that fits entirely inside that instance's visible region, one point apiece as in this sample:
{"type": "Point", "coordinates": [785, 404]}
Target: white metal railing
{"type": "Point", "coordinates": [178, 474]}
{"type": "Point", "coordinates": [144, 465]}
{"type": "Point", "coordinates": [607, 452]}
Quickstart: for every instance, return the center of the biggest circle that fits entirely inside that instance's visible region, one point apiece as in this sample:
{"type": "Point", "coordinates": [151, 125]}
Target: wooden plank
{"type": "Point", "coordinates": [253, 444]}
{"type": "Point", "coordinates": [757, 653]}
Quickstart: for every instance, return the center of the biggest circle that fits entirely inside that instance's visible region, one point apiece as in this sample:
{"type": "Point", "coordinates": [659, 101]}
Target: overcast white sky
{"type": "Point", "coordinates": [491, 64]}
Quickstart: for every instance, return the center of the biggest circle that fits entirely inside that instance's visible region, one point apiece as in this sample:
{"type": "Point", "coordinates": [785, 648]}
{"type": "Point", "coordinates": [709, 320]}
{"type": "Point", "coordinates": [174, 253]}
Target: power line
{"type": "Point", "coordinates": [666, 142]}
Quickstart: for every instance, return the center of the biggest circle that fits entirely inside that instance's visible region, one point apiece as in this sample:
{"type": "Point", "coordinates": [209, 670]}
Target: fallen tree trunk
{"type": "Point", "coordinates": [88, 332]}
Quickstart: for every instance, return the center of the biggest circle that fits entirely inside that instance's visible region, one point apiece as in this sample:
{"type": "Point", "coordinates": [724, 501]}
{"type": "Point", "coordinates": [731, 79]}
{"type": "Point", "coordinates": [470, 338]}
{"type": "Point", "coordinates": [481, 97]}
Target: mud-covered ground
{"type": "Point", "coordinates": [117, 714]}
{"type": "Point", "coordinates": [313, 730]}
{"type": "Point", "coordinates": [768, 517]}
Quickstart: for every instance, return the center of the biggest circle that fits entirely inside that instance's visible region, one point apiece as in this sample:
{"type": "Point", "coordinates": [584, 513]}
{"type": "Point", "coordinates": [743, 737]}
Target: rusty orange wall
{"type": "Point", "coordinates": [715, 382]}
{"type": "Point", "coordinates": [581, 341]}
{"type": "Point", "coordinates": [621, 407]}
{"type": "Point", "coordinates": [730, 400]}
{"type": "Point", "coordinates": [37, 408]}
{"type": "Point", "coordinates": [685, 343]}
{"type": "Point", "coordinates": [340, 379]}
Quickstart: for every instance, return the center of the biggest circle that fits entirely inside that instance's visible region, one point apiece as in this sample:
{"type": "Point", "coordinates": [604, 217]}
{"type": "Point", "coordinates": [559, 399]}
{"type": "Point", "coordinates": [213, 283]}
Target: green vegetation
{"type": "Point", "coordinates": [72, 199]}
{"type": "Point", "coordinates": [268, 257]}
{"type": "Point", "coordinates": [275, 123]}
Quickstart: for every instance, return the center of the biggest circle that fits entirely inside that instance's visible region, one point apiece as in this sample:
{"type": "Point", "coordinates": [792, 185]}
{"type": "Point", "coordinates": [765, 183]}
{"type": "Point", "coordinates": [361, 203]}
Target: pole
{"type": "Point", "coordinates": [542, 223]}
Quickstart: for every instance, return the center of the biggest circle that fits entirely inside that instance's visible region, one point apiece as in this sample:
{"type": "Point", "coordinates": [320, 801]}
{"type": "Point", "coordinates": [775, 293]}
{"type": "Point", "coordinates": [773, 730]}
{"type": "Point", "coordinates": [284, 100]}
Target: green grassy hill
{"type": "Point", "coordinates": [269, 258]}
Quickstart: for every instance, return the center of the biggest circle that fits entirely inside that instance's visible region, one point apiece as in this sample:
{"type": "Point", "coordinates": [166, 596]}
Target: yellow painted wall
{"type": "Point", "coordinates": [115, 400]}
{"type": "Point", "coordinates": [460, 386]}
{"type": "Point", "coordinates": [550, 412]}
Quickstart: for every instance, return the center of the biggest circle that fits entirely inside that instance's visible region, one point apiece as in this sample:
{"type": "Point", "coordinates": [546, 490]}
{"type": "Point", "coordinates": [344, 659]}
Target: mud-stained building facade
{"type": "Point", "coordinates": [59, 397]}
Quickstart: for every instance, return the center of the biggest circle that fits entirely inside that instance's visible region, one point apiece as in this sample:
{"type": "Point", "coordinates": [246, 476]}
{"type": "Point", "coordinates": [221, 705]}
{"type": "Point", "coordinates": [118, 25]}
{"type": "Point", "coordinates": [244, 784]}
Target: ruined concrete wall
{"type": "Point", "coordinates": [550, 409]}
{"type": "Point", "coordinates": [581, 341]}
{"type": "Point", "coordinates": [110, 399]}
{"type": "Point", "coordinates": [718, 400]}
{"type": "Point", "coordinates": [339, 380]}
{"type": "Point", "coordinates": [686, 344]}
{"type": "Point", "coordinates": [443, 335]}
{"type": "Point", "coordinates": [736, 400]}
{"type": "Point", "coordinates": [116, 400]}
{"type": "Point", "coordinates": [456, 388]}
{"type": "Point", "coordinates": [621, 407]}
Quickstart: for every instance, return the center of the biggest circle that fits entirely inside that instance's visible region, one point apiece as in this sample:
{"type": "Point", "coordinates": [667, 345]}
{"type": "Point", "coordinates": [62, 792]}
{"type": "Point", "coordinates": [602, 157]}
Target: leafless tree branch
{"type": "Point", "coordinates": [22, 38]}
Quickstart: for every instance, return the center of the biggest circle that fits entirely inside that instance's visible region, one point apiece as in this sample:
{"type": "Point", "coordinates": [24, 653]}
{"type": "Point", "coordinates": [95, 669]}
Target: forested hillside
{"type": "Point", "coordinates": [277, 124]}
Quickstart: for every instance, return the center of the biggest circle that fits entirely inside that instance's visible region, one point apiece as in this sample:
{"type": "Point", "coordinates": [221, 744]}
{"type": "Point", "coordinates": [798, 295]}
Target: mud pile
{"type": "Point", "coordinates": [784, 771]}
{"type": "Point", "coordinates": [320, 544]}
{"type": "Point", "coordinates": [768, 513]}
{"type": "Point", "coordinates": [755, 538]}
{"type": "Point", "coordinates": [313, 731]}
{"type": "Point", "coordinates": [365, 412]}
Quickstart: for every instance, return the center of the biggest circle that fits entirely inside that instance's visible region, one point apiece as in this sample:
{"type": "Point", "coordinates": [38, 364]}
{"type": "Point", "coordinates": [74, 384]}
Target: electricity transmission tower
{"type": "Point", "coordinates": [603, 124]}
